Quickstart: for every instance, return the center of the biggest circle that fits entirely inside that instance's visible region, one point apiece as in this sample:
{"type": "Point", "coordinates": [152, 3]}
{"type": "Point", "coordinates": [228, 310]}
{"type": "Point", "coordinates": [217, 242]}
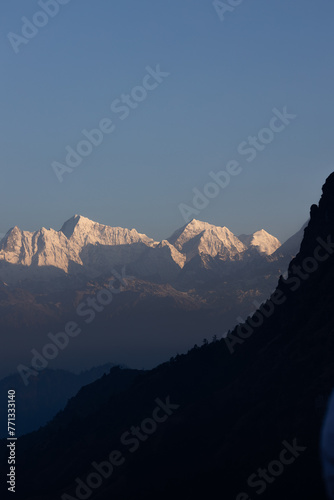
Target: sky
{"type": "Point", "coordinates": [223, 75]}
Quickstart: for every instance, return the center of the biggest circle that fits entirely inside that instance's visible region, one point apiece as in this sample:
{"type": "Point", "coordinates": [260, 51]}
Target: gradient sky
{"type": "Point", "coordinates": [225, 79]}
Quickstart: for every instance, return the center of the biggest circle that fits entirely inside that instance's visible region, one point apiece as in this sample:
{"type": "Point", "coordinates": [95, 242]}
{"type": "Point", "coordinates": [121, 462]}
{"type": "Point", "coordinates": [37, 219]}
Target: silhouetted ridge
{"type": "Point", "coordinates": [321, 222]}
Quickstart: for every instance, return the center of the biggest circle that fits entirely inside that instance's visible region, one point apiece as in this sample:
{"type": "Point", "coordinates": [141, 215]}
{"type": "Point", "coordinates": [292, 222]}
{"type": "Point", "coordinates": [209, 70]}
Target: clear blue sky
{"type": "Point", "coordinates": [225, 79]}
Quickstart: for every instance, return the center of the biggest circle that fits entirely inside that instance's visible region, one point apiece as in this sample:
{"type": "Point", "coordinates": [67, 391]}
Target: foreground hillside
{"type": "Point", "coordinates": [49, 391]}
{"type": "Point", "coordinates": [233, 406]}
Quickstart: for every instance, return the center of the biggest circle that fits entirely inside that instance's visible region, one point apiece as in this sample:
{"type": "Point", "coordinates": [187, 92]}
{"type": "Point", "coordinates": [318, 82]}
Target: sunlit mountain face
{"type": "Point", "coordinates": [82, 246]}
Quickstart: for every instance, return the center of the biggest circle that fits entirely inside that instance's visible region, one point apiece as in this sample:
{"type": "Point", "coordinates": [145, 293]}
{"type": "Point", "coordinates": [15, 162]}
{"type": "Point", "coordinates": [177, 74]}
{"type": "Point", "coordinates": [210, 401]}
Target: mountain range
{"type": "Point", "coordinates": [203, 276]}
{"type": "Point", "coordinates": [88, 248]}
{"type": "Point", "coordinates": [244, 412]}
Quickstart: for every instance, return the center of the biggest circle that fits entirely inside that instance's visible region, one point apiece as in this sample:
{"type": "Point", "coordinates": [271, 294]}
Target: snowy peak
{"type": "Point", "coordinates": [44, 247]}
{"type": "Point", "coordinates": [85, 231]}
{"type": "Point", "coordinates": [70, 225]}
{"type": "Point", "coordinates": [261, 241]}
{"type": "Point", "coordinates": [11, 239]}
{"type": "Point", "coordinates": [81, 244]}
{"type": "Point", "coordinates": [182, 235]}
{"type": "Point", "coordinates": [199, 237]}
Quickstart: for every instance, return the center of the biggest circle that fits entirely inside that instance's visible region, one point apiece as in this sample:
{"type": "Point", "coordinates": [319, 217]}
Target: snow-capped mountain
{"type": "Point", "coordinates": [82, 231]}
{"type": "Point", "coordinates": [198, 237]}
{"type": "Point", "coordinates": [82, 246]}
{"type": "Point", "coordinates": [261, 241]}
